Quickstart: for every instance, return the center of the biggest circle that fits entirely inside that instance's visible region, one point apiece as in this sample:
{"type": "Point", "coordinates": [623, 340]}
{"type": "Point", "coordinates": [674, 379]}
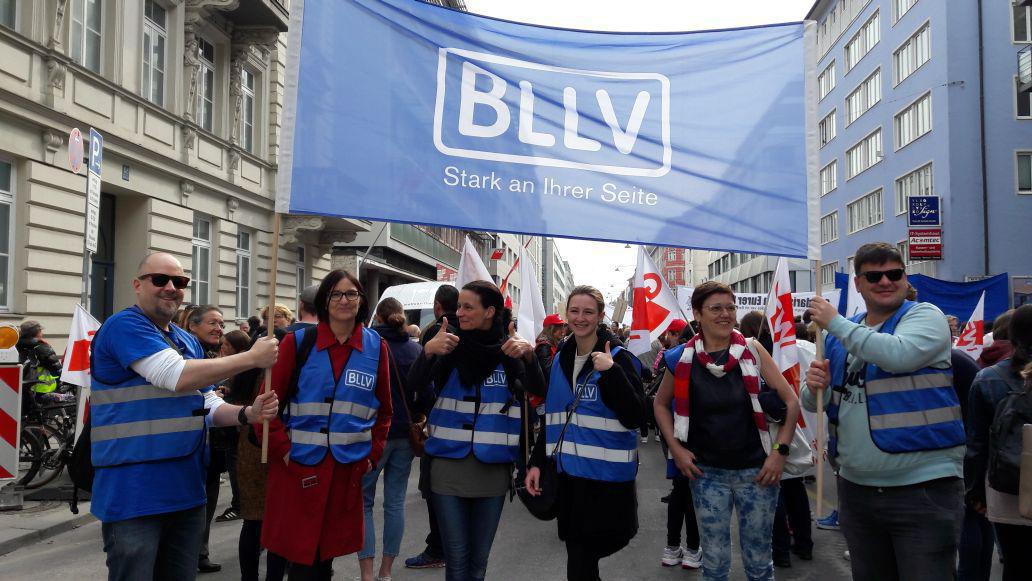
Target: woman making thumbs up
{"type": "Point", "coordinates": [594, 387]}
{"type": "Point", "coordinates": [474, 425]}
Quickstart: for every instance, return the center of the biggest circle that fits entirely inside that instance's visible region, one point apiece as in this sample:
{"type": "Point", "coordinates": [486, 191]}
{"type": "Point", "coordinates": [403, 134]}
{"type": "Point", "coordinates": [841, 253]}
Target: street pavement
{"type": "Point", "coordinates": [524, 547]}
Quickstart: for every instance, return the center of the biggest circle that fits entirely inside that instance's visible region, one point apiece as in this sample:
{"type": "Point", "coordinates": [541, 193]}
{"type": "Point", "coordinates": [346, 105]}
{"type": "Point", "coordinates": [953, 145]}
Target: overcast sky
{"type": "Point", "coordinates": [607, 266]}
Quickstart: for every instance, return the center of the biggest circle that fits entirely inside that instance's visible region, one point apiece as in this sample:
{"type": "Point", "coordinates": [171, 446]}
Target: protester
{"type": "Point", "coordinates": [718, 435]}
{"type": "Point", "coordinates": [282, 316]}
{"type": "Point", "coordinates": [552, 332]}
{"type": "Point", "coordinates": [474, 426]}
{"type": "Point", "coordinates": [593, 385]}
{"type": "Point", "coordinates": [317, 458]}
{"type": "Point", "coordinates": [253, 324]}
{"type": "Point", "coordinates": [977, 539]}
{"type": "Point", "coordinates": [954, 325]}
{"type": "Point", "coordinates": [990, 388]}
{"type": "Point", "coordinates": [396, 462]}
{"type": "Point", "coordinates": [899, 486]}
{"type": "Point", "coordinates": [245, 326]}
{"type": "Point", "coordinates": [42, 365]}
{"type": "Point", "coordinates": [149, 382]}
{"type": "Point", "coordinates": [306, 311]}
{"type": "Point", "coordinates": [233, 342]}
{"type": "Point", "coordinates": [446, 301]}
{"type": "Point", "coordinates": [1001, 347]}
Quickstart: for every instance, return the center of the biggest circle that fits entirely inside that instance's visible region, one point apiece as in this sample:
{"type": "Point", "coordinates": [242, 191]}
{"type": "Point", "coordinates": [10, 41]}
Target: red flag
{"type": "Point", "coordinates": [653, 308]}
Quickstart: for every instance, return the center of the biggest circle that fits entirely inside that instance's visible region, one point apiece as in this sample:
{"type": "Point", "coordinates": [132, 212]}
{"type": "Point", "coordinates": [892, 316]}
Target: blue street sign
{"type": "Point", "coordinates": [96, 150]}
{"type": "Point", "coordinates": [924, 211]}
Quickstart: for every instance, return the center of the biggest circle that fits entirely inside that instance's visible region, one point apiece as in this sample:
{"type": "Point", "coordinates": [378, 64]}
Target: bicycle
{"type": "Point", "coordinates": [49, 432]}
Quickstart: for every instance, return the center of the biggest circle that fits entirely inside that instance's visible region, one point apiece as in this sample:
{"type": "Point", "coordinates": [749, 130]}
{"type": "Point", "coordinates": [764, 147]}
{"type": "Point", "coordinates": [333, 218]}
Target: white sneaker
{"type": "Point", "coordinates": [644, 439]}
{"type": "Point", "coordinates": [657, 437]}
{"type": "Point", "coordinates": [672, 556]}
{"type": "Point", "coordinates": [845, 555]}
{"type": "Point", "coordinates": [692, 559]}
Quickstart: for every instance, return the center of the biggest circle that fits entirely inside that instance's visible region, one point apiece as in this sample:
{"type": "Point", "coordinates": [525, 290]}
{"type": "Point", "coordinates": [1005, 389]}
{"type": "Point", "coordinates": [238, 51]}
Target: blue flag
{"type": "Point", "coordinates": [404, 111]}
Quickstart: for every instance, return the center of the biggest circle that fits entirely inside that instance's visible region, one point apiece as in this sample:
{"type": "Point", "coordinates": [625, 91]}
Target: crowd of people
{"type": "Point", "coordinates": [913, 431]}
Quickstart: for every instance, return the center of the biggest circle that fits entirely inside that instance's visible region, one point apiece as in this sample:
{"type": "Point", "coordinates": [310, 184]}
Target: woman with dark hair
{"type": "Point", "coordinates": [592, 384]}
{"type": "Point", "coordinates": [479, 374]}
{"type": "Point", "coordinates": [335, 379]}
{"type": "Point", "coordinates": [235, 341]}
{"type": "Point", "coordinates": [991, 386]}
{"type": "Point", "coordinates": [396, 462]}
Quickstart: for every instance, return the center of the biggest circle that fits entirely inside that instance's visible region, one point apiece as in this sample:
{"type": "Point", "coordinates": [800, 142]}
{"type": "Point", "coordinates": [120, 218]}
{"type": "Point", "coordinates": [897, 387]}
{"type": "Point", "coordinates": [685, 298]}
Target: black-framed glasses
{"type": "Point", "coordinates": [874, 276]}
{"type": "Point", "coordinates": [161, 280]}
{"type": "Point", "coordinates": [351, 295]}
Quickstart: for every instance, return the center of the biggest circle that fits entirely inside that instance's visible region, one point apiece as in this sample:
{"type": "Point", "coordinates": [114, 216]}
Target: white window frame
{"type": "Point", "coordinates": [248, 123]}
{"type": "Point", "coordinates": [871, 29]}
{"type": "Point", "coordinates": [872, 157]}
{"type": "Point", "coordinates": [301, 268]}
{"type": "Point", "coordinates": [829, 227]}
{"type": "Point", "coordinates": [826, 269]}
{"type": "Point", "coordinates": [199, 275]}
{"type": "Point", "coordinates": [872, 85]}
{"type": "Point", "coordinates": [244, 263]}
{"type": "Point", "coordinates": [851, 226]}
{"type": "Point", "coordinates": [901, 188]}
{"type": "Point", "coordinates": [900, 8]}
{"type": "Point", "coordinates": [1017, 172]}
{"type": "Point", "coordinates": [206, 81]}
{"type": "Point", "coordinates": [78, 22]}
{"type": "Point", "coordinates": [151, 88]}
{"type": "Point", "coordinates": [8, 197]}
{"type": "Point", "coordinates": [823, 177]}
{"type": "Point", "coordinates": [850, 263]}
{"type": "Point", "coordinates": [913, 122]}
{"type": "Point", "coordinates": [826, 133]}
{"type": "Point", "coordinates": [1028, 24]}
{"type": "Point", "coordinates": [914, 51]}
{"type": "Point", "coordinates": [826, 81]}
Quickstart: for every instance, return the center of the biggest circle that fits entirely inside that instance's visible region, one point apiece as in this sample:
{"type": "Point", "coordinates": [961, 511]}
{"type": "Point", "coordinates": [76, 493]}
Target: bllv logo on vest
{"type": "Point", "coordinates": [502, 109]}
{"type": "Point", "coordinates": [590, 392]}
{"type": "Point", "coordinates": [496, 379]}
{"type": "Point", "coordinates": [359, 379]}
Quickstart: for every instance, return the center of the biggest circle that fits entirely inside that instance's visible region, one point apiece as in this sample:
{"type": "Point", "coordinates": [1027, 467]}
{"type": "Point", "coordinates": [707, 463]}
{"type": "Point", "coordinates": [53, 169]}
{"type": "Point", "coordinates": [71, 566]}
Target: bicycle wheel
{"type": "Point", "coordinates": [51, 459]}
{"type": "Point", "coordinates": [30, 457]}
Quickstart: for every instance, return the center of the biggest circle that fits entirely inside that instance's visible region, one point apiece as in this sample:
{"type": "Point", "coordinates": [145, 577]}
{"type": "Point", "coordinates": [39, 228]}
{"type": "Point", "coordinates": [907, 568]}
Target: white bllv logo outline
{"type": "Point", "coordinates": [359, 379]}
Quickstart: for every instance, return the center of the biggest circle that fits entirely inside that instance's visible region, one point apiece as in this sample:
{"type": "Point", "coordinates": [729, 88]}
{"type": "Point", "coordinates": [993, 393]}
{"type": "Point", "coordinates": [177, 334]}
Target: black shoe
{"type": "Point", "coordinates": [204, 565]}
{"type": "Point", "coordinates": [229, 515]}
{"type": "Point", "coordinates": [804, 554]}
{"type": "Point", "coordinates": [665, 499]}
{"type": "Point", "coordinates": [782, 561]}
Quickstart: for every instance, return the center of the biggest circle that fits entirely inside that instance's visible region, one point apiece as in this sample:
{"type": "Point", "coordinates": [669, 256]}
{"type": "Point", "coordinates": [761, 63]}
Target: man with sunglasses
{"type": "Point", "coordinates": [895, 429]}
{"type": "Point", "coordinates": [152, 401]}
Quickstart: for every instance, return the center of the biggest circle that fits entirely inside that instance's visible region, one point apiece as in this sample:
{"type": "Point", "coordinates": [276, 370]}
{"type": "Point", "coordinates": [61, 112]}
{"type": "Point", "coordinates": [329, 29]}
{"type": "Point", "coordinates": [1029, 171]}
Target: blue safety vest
{"type": "Point", "coordinates": [457, 426]}
{"type": "Point", "coordinates": [132, 421]}
{"type": "Point", "coordinates": [907, 412]}
{"type": "Point", "coordinates": [336, 415]}
{"type": "Point", "coordinates": [596, 445]}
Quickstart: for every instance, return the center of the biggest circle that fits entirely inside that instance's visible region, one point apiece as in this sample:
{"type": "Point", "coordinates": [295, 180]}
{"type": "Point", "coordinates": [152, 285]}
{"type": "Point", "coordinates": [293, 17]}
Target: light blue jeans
{"type": "Point", "coordinates": [715, 494]}
{"type": "Point", "coordinates": [396, 463]}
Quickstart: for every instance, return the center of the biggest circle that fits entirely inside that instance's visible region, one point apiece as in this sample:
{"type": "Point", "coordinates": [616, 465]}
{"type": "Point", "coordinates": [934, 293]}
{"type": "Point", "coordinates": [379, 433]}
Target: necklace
{"type": "Point", "coordinates": [721, 357]}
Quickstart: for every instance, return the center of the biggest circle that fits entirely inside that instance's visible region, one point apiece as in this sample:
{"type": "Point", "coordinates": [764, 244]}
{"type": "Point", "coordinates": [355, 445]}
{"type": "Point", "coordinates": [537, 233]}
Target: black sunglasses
{"type": "Point", "coordinates": [161, 280]}
{"type": "Point", "coordinates": [874, 276]}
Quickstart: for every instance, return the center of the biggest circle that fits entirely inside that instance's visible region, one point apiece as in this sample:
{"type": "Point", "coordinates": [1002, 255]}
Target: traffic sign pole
{"type": "Point", "coordinates": [96, 151]}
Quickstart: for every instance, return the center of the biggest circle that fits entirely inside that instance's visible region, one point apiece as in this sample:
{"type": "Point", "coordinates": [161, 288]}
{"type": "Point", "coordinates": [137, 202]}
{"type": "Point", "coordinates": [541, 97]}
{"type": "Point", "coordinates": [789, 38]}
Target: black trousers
{"type": "Point", "coordinates": [792, 519]}
{"type": "Point", "coordinates": [249, 550]}
{"type": "Point", "coordinates": [582, 557]}
{"type": "Point", "coordinates": [211, 488]}
{"type": "Point", "coordinates": [680, 509]}
{"type": "Point", "coordinates": [317, 571]}
{"type": "Point", "coordinates": [434, 547]}
{"type": "Point", "coordinates": [1016, 546]}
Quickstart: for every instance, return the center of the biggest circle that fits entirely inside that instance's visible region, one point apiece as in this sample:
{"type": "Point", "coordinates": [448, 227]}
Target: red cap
{"type": "Point", "coordinates": [677, 325]}
{"type": "Point", "coordinates": [553, 319]}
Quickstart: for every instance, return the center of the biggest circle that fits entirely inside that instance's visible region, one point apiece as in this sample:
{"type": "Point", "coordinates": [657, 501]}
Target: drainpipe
{"type": "Point", "coordinates": [981, 122]}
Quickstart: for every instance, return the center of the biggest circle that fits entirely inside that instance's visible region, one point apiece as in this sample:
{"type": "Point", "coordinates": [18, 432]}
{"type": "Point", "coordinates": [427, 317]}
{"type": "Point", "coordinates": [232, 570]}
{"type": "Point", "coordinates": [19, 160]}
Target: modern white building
{"type": "Point", "coordinates": [556, 278]}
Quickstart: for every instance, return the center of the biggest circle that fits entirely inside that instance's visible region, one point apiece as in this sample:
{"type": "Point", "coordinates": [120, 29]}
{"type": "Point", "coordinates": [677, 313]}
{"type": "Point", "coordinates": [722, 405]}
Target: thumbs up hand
{"type": "Point", "coordinates": [602, 360]}
{"type": "Point", "coordinates": [517, 346]}
{"type": "Point", "coordinates": [443, 342]}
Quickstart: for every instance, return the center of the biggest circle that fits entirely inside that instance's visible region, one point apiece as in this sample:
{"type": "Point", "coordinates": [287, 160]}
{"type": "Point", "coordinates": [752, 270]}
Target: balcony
{"type": "Point", "coordinates": [417, 239]}
{"type": "Point", "coordinates": [261, 13]}
{"type": "Point", "coordinates": [1025, 68]}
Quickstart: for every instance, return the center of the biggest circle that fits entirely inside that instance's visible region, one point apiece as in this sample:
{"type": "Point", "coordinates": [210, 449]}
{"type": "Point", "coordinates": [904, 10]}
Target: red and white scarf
{"type": "Point", "coordinates": [739, 356]}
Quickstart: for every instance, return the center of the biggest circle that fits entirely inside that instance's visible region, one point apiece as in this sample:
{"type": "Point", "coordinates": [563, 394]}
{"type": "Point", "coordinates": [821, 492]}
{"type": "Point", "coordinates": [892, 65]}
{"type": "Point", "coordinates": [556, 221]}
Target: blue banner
{"type": "Point", "coordinates": [953, 298]}
{"type": "Point", "coordinates": [404, 111]}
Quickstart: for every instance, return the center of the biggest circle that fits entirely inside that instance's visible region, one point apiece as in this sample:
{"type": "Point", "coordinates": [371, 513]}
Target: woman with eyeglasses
{"type": "Point", "coordinates": [479, 374]}
{"type": "Point", "coordinates": [335, 379]}
{"type": "Point", "coordinates": [718, 436]}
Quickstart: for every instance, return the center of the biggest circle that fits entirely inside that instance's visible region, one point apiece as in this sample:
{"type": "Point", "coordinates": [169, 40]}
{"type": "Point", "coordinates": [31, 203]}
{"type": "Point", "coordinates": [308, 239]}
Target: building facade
{"type": "Point", "coordinates": [556, 278]}
{"type": "Point", "coordinates": [918, 97]}
{"type": "Point", "coordinates": [754, 273]}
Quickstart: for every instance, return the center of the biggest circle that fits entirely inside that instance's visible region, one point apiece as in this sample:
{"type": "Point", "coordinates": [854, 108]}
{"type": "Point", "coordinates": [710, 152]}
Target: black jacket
{"type": "Point", "coordinates": [431, 331]}
{"type": "Point", "coordinates": [39, 352]}
{"type": "Point", "coordinates": [404, 351]}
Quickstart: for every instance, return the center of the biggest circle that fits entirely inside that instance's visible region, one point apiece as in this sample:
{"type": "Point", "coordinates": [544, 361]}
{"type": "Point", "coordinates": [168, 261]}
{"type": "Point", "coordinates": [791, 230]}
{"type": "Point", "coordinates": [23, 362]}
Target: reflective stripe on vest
{"type": "Point", "coordinates": [323, 414]}
{"type": "Point", "coordinates": [596, 445]}
{"type": "Point", "coordinates": [907, 412]}
{"type": "Point", "coordinates": [457, 428]}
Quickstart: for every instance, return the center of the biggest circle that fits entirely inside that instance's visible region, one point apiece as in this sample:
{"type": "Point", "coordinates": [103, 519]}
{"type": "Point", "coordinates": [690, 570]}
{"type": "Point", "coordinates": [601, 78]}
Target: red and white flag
{"type": "Point", "coordinates": [654, 306]}
{"type": "Point", "coordinates": [972, 338]}
{"type": "Point", "coordinates": [471, 266]}
{"type": "Point", "coordinates": [76, 369]}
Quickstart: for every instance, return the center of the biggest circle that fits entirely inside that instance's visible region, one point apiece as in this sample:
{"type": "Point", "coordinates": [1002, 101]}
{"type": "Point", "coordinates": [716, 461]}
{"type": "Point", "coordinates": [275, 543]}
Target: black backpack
{"type": "Point", "coordinates": [1005, 439]}
{"type": "Point", "coordinates": [80, 466]}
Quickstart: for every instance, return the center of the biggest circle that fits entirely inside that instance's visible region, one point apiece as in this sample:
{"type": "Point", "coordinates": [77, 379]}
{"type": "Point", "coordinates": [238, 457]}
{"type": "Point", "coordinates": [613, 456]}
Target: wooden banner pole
{"type": "Point", "coordinates": [270, 316]}
{"type": "Point", "coordinates": [819, 344]}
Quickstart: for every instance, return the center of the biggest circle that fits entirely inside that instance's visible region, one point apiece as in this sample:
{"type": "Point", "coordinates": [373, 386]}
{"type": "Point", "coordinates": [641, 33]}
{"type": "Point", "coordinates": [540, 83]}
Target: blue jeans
{"type": "Point", "coordinates": [468, 527]}
{"type": "Point", "coordinates": [159, 546]}
{"type": "Point", "coordinates": [715, 493]}
{"type": "Point", "coordinates": [396, 464]}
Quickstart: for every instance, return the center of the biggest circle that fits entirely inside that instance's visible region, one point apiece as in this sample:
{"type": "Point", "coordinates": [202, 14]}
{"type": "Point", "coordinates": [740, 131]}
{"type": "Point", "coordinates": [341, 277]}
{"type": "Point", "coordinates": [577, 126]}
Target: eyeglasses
{"type": "Point", "coordinates": [716, 309]}
{"type": "Point", "coordinates": [161, 280]}
{"type": "Point", "coordinates": [351, 295]}
{"type": "Point", "coordinates": [874, 276]}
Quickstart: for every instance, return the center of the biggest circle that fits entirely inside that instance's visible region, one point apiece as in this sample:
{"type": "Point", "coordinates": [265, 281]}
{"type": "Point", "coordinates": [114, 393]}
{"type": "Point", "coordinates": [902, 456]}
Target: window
{"type": "Point", "coordinates": [1024, 100]}
{"type": "Point", "coordinates": [154, 52]}
{"type": "Point", "coordinates": [914, 121]}
{"type": "Point", "coordinates": [206, 85]}
{"type": "Point", "coordinates": [829, 227]}
{"type": "Point", "coordinates": [6, 211]}
{"type": "Point", "coordinates": [826, 81]}
{"type": "Point", "coordinates": [864, 154]}
{"type": "Point", "coordinates": [865, 96]}
{"type": "Point", "coordinates": [85, 29]}
{"type": "Point", "coordinates": [247, 110]}
{"type": "Point", "coordinates": [838, 19]}
{"type": "Point", "coordinates": [850, 265]}
{"type": "Point", "coordinates": [200, 281]}
{"type": "Point", "coordinates": [828, 274]}
{"type": "Point", "coordinates": [7, 13]}
{"type": "Point", "coordinates": [829, 177]}
{"type": "Point", "coordinates": [826, 128]}
{"type": "Point", "coordinates": [1024, 173]}
{"type": "Point", "coordinates": [862, 42]}
{"type": "Point", "coordinates": [915, 183]}
{"type": "Point", "coordinates": [302, 274]}
{"type": "Point", "coordinates": [900, 7]}
{"type": "Point", "coordinates": [915, 52]}
{"type": "Point", "coordinates": [1022, 23]}
{"type": "Point", "coordinates": [865, 212]}
{"type": "Point", "coordinates": [243, 282]}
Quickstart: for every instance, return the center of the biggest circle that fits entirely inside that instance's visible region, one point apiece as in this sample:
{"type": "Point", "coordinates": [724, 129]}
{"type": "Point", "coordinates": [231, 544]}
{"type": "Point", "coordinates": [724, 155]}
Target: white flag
{"type": "Point", "coordinates": [781, 318]}
{"type": "Point", "coordinates": [972, 339]}
{"type": "Point", "coordinates": [76, 370]}
{"type": "Point", "coordinates": [855, 303]}
{"type": "Point", "coordinates": [531, 315]}
{"type": "Point", "coordinates": [654, 305]}
{"type": "Point", "coordinates": [471, 266]}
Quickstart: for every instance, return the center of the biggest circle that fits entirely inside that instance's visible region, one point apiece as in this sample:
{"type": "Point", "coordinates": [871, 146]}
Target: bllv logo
{"type": "Point", "coordinates": [359, 379]}
{"type": "Point", "coordinates": [497, 378]}
{"type": "Point", "coordinates": [590, 392]}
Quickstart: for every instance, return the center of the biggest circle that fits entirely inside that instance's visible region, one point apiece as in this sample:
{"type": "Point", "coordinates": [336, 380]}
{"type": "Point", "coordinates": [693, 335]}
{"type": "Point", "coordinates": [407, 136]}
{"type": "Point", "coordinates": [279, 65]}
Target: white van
{"type": "Point", "coordinates": [417, 299]}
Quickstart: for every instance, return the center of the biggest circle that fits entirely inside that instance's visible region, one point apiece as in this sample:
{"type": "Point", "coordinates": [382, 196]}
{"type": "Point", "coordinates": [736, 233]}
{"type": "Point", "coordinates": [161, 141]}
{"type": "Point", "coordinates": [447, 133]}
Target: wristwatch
{"type": "Point", "coordinates": [781, 448]}
{"type": "Point", "coordinates": [242, 417]}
